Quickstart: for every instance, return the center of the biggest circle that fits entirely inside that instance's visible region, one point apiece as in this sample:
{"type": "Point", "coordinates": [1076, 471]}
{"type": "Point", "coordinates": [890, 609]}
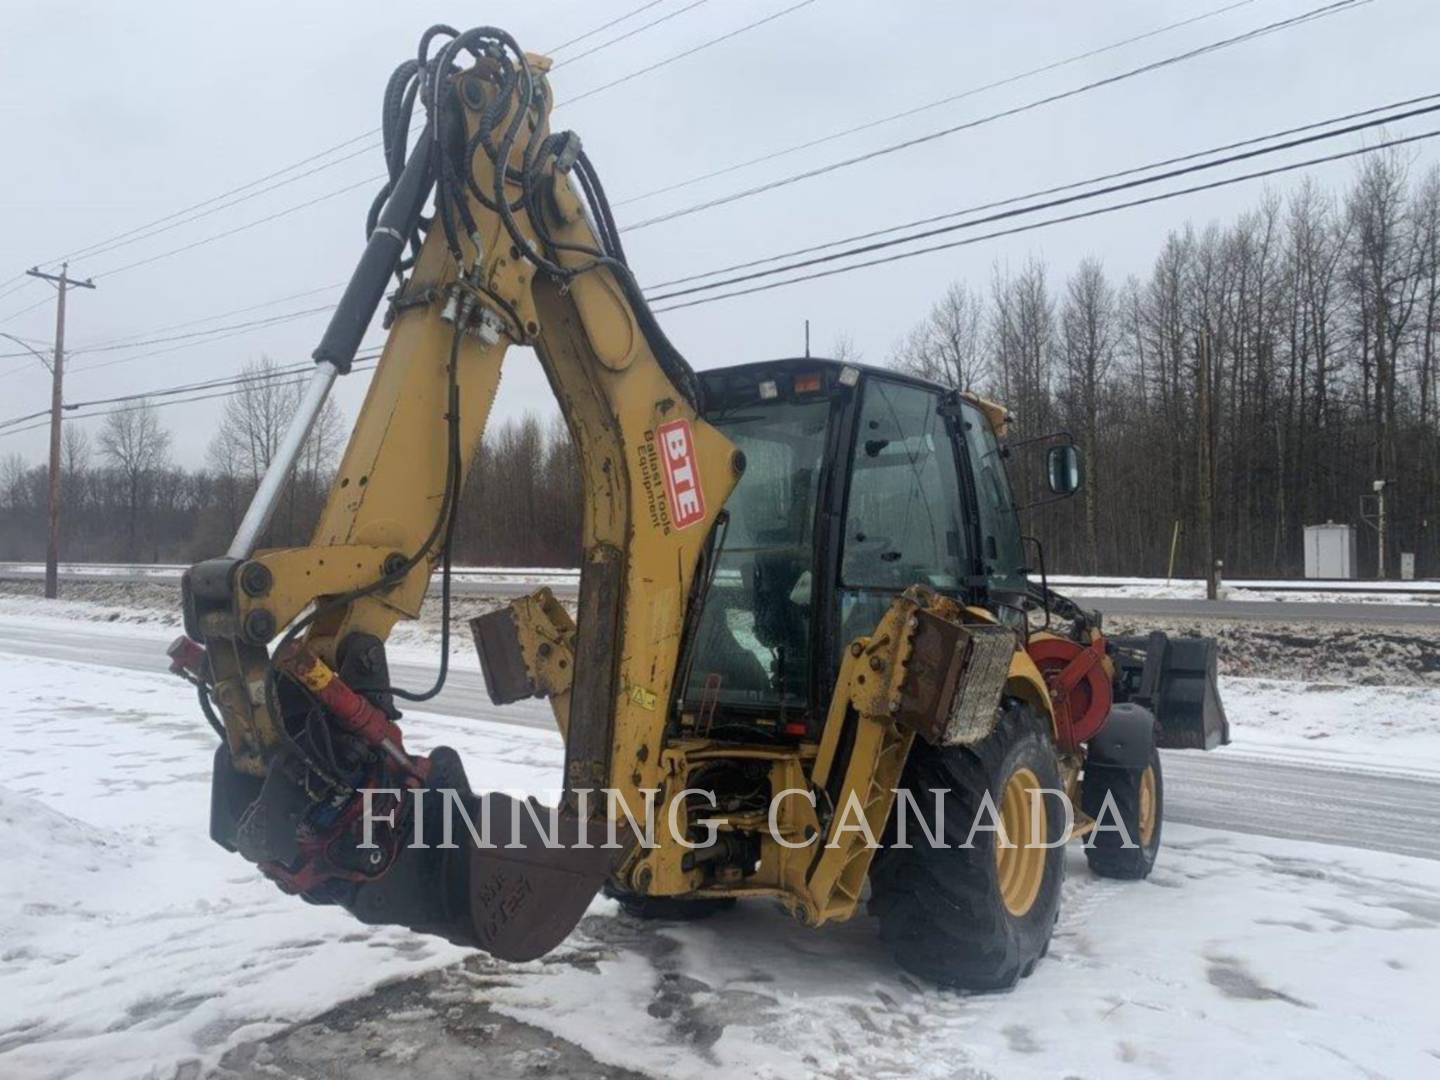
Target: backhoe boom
{"type": "Point", "coordinates": [512, 257]}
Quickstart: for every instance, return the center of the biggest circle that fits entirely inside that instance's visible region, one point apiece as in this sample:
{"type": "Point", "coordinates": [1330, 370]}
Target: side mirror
{"type": "Point", "coordinates": [1062, 469]}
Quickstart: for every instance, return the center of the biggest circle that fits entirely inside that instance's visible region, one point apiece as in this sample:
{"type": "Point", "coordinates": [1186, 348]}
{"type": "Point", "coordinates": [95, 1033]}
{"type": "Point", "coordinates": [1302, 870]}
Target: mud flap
{"type": "Point", "coordinates": [1175, 678]}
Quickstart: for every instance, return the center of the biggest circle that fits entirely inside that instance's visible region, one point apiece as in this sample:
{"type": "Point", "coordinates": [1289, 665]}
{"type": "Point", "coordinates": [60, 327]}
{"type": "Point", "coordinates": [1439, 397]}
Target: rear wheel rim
{"type": "Point", "coordinates": [1147, 806]}
{"type": "Point", "coordinates": [1020, 866]}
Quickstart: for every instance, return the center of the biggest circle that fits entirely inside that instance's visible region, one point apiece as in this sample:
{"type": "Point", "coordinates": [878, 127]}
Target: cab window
{"type": "Point", "coordinates": [1002, 555]}
{"type": "Point", "coordinates": [904, 518]}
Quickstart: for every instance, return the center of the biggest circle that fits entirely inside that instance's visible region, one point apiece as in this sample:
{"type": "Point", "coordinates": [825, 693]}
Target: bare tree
{"type": "Point", "coordinates": [947, 346]}
{"type": "Point", "coordinates": [1088, 328]}
{"type": "Point", "coordinates": [251, 427]}
{"type": "Point", "coordinates": [138, 447]}
{"type": "Point", "coordinates": [844, 349]}
{"type": "Point", "coordinates": [75, 451]}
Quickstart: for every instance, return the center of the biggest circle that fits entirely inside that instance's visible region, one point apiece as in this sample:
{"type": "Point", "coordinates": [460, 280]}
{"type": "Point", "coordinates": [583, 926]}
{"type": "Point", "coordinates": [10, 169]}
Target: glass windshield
{"type": "Point", "coordinates": [903, 519]}
{"type": "Point", "coordinates": [1002, 554]}
{"type": "Point", "coordinates": [753, 643]}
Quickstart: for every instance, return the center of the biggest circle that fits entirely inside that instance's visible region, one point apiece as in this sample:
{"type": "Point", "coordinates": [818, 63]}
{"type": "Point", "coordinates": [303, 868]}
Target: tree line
{"type": "Point", "coordinates": [1275, 367]}
{"type": "Point", "coordinates": [1272, 368]}
{"type": "Point", "coordinates": [124, 499]}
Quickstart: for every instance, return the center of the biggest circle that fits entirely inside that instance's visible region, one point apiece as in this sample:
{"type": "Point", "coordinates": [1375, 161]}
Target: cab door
{"type": "Point", "coordinates": [905, 520]}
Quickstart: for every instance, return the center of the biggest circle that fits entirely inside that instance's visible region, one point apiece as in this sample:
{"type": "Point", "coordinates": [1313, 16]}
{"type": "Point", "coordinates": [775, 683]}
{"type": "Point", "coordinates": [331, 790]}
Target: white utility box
{"type": "Point", "coordinates": [1329, 551]}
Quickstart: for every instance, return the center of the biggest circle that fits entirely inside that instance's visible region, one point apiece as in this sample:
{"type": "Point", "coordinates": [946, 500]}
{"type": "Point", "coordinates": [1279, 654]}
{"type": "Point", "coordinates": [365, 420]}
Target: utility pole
{"type": "Point", "coordinates": [807, 339]}
{"type": "Point", "coordinates": [1206, 425]}
{"type": "Point", "coordinates": [61, 281]}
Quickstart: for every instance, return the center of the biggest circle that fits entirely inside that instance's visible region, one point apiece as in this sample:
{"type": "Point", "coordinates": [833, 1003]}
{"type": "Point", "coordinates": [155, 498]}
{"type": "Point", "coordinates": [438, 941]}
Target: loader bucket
{"type": "Point", "coordinates": [1174, 677]}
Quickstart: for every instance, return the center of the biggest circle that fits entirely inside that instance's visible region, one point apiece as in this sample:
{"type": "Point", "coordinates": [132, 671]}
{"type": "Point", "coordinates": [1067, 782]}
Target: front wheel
{"type": "Point", "coordinates": [976, 917]}
{"type": "Point", "coordinates": [1128, 840]}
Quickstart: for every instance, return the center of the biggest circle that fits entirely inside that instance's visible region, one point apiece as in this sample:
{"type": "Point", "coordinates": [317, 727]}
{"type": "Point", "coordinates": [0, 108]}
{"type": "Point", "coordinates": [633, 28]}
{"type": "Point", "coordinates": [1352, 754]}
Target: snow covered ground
{"type": "Point", "coordinates": [130, 945]}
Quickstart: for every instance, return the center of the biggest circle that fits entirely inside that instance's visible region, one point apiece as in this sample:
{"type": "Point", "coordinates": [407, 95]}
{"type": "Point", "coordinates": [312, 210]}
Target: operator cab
{"type": "Point", "coordinates": [858, 483]}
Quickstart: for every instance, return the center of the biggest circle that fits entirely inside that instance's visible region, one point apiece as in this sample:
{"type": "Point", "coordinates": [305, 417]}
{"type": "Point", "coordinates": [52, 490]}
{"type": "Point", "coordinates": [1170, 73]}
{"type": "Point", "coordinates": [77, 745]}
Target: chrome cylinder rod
{"type": "Point", "coordinates": [337, 349]}
{"type": "Point", "coordinates": [267, 495]}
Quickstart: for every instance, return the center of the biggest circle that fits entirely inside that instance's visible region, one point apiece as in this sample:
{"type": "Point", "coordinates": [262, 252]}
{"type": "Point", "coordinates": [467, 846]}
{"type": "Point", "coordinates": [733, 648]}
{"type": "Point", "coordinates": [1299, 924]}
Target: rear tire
{"type": "Point", "coordinates": [669, 908]}
{"type": "Point", "coordinates": [1139, 800]}
{"type": "Point", "coordinates": [969, 917]}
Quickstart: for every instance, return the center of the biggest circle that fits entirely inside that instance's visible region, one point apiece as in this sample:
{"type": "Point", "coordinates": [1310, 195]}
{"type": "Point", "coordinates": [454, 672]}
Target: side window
{"type": "Point", "coordinates": [1002, 554]}
{"type": "Point", "coordinates": [903, 519]}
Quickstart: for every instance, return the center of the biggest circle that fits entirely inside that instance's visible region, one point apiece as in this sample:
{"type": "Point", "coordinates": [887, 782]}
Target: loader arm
{"type": "Point", "coordinates": [521, 251]}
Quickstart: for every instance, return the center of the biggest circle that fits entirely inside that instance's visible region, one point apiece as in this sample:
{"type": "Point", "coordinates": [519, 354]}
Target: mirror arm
{"type": "Point", "coordinates": [1060, 434]}
{"type": "Point", "coordinates": [1046, 501]}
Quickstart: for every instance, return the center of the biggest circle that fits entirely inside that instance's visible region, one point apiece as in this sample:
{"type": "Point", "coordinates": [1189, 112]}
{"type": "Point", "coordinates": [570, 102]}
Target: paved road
{"type": "Point", "coordinates": [1228, 789]}
{"type": "Point", "coordinates": [144, 650]}
{"type": "Point", "coordinates": [503, 585]}
{"type": "Point", "coordinates": [1269, 610]}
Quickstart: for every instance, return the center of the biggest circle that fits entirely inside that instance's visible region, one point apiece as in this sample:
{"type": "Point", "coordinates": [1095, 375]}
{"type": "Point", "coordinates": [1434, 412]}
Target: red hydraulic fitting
{"type": "Point", "coordinates": [187, 658]}
{"type": "Point", "coordinates": [354, 712]}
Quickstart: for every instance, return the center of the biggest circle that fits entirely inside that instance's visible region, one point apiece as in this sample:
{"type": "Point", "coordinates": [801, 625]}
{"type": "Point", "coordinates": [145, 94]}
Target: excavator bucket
{"type": "Point", "coordinates": [528, 892]}
{"type": "Point", "coordinates": [510, 876]}
{"type": "Point", "coordinates": [1175, 678]}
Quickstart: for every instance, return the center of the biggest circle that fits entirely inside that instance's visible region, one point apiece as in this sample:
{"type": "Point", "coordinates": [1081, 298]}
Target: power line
{"type": "Point", "coordinates": [906, 144]}
{"type": "Point", "coordinates": [937, 103]}
{"type": "Point", "coordinates": [1002, 215]}
{"type": "Point", "coordinates": [1078, 216]}
{"type": "Point", "coordinates": [219, 207]}
{"type": "Point", "coordinates": [977, 208]}
{"type": "Point", "coordinates": [369, 180]}
{"type": "Point", "coordinates": [111, 242]}
{"type": "Point", "coordinates": [362, 364]}
{"type": "Point", "coordinates": [234, 380]}
{"type": "Point", "coordinates": [21, 419]}
{"type": "Point", "coordinates": [23, 281]}
{"type": "Point", "coordinates": [216, 198]}
{"type": "Point", "coordinates": [23, 310]}
{"type": "Point", "coordinates": [269, 320]}
{"type": "Point", "coordinates": [207, 384]}
{"type": "Point", "coordinates": [631, 33]}
{"type": "Point", "coordinates": [687, 52]}
{"type": "Point", "coordinates": [340, 191]}
{"type": "Point", "coordinates": [607, 25]}
{"type": "Point", "coordinates": [218, 336]}
{"type": "Point", "coordinates": [233, 331]}
{"type": "Point", "coordinates": [166, 352]}
{"type": "Point", "coordinates": [130, 338]}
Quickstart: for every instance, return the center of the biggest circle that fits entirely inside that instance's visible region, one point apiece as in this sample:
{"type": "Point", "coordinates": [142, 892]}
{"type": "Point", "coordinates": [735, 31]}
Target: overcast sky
{"type": "Point", "coordinates": [118, 113]}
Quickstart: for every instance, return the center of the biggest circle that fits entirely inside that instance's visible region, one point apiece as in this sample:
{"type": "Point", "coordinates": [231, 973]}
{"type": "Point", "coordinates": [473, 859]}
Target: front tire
{"type": "Point", "coordinates": [977, 918]}
{"type": "Point", "coordinates": [1138, 800]}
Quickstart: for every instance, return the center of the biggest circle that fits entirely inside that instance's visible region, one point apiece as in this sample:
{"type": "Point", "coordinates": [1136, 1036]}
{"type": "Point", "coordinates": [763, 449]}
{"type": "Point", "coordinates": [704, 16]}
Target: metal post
{"type": "Point", "coordinates": [1380, 529]}
{"type": "Point", "coordinates": [267, 495]}
{"type": "Point", "coordinates": [57, 400]}
{"type": "Point", "coordinates": [1206, 424]}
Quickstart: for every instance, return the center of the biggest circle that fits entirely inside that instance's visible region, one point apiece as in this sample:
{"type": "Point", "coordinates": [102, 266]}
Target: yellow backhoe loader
{"type": "Point", "coordinates": [808, 658]}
